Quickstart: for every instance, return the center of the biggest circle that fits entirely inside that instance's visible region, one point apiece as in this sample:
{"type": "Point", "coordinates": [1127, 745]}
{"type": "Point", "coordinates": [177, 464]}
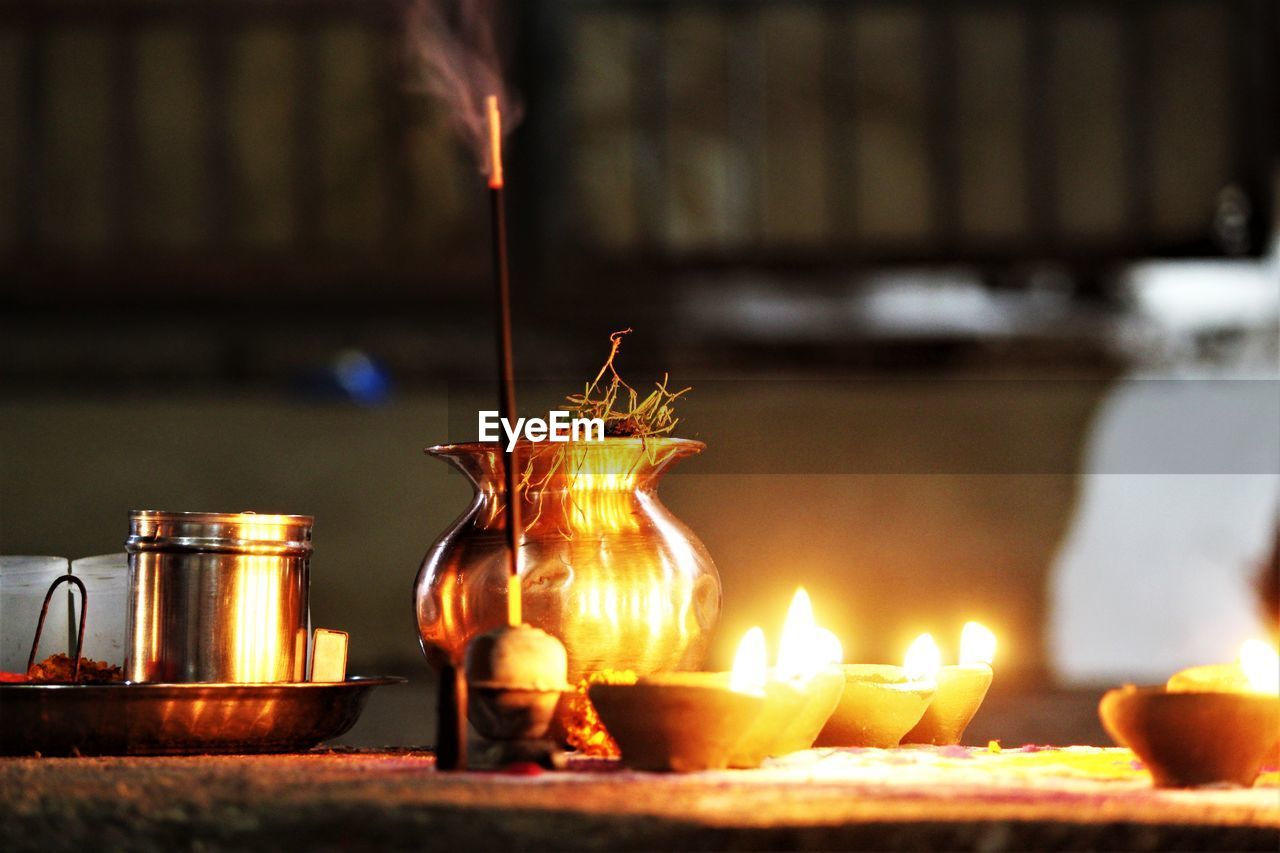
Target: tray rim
{"type": "Point", "coordinates": [151, 687]}
{"type": "Point", "coordinates": [120, 719]}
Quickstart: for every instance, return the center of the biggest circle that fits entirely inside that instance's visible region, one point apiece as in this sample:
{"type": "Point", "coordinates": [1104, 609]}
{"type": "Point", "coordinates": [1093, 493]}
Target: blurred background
{"type": "Point", "coordinates": [980, 300]}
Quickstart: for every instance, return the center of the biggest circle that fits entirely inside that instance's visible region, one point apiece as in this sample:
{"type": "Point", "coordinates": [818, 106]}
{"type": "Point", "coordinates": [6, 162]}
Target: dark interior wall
{"type": "Point", "coordinates": [915, 128]}
{"type": "Point", "coordinates": [908, 534]}
{"type": "Point", "coordinates": [271, 150]}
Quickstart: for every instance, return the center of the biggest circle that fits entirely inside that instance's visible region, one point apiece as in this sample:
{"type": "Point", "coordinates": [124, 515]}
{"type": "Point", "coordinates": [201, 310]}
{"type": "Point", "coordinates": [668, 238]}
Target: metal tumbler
{"type": "Point", "coordinates": [217, 597]}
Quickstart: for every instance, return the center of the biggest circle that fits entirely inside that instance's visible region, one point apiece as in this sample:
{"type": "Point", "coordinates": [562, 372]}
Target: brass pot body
{"type": "Point", "coordinates": [604, 565]}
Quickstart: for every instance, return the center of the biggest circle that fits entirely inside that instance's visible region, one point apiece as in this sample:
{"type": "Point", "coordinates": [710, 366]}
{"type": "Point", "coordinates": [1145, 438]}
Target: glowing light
{"type": "Point", "coordinates": [656, 610]}
{"type": "Point", "coordinates": [1261, 664]}
{"type": "Point", "coordinates": [495, 141]}
{"type": "Point", "coordinates": [923, 658]}
{"type": "Point", "coordinates": [977, 644]}
{"type": "Point", "coordinates": [611, 605]}
{"type": "Point", "coordinates": [827, 648]}
{"type": "Point", "coordinates": [794, 652]}
{"type": "Point", "coordinates": [805, 649]}
{"type": "Point", "coordinates": [750, 664]}
{"type": "Point", "coordinates": [258, 594]}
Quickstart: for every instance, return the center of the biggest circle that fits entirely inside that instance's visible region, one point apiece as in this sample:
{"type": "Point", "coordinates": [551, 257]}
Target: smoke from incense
{"type": "Point", "coordinates": [453, 48]}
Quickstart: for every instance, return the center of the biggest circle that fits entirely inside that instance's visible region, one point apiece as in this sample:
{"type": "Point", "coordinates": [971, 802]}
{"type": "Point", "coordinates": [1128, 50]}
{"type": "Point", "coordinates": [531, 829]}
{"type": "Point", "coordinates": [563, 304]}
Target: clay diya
{"type": "Point", "coordinates": [808, 659]}
{"type": "Point", "coordinates": [1188, 739]}
{"type": "Point", "coordinates": [1210, 678]}
{"type": "Point", "coordinates": [679, 721]}
{"type": "Point", "coordinates": [880, 703]}
{"type": "Point", "coordinates": [689, 721]}
{"type": "Point", "coordinates": [1256, 671]}
{"type": "Point", "coordinates": [961, 689]}
{"type": "Point", "coordinates": [821, 696]}
{"type": "Point", "coordinates": [782, 702]}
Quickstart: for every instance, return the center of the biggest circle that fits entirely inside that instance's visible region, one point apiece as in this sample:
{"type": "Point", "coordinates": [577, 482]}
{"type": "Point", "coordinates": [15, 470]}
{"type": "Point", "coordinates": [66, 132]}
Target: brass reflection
{"type": "Point", "coordinates": [605, 566]}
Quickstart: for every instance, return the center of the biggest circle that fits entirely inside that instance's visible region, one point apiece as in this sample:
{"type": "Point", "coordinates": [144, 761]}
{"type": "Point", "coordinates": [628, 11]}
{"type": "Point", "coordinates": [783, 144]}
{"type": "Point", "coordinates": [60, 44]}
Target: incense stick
{"type": "Point", "coordinates": [506, 367]}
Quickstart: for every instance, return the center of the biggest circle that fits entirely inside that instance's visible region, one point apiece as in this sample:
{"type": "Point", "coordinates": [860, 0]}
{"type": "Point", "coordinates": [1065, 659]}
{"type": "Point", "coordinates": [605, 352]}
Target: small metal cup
{"type": "Point", "coordinates": [217, 597]}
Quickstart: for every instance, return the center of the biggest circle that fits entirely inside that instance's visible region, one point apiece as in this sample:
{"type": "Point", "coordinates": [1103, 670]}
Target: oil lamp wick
{"type": "Point", "coordinates": [506, 368]}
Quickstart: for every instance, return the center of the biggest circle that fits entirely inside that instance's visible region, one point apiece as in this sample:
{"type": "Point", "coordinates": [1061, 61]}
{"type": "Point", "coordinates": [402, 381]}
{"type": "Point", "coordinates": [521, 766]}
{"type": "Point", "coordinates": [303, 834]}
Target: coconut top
{"type": "Point", "coordinates": [517, 658]}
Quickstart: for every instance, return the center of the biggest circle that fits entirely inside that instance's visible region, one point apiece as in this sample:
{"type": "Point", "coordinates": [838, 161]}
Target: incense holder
{"type": "Point", "coordinates": [502, 713]}
{"type": "Point", "coordinates": [1189, 739]}
{"type": "Point", "coordinates": [515, 678]}
{"type": "Point", "coordinates": [681, 722]}
{"type": "Point", "coordinates": [822, 695]}
{"type": "Point", "coordinates": [782, 701]}
{"type": "Point", "coordinates": [879, 705]}
{"type": "Point", "coordinates": [961, 690]}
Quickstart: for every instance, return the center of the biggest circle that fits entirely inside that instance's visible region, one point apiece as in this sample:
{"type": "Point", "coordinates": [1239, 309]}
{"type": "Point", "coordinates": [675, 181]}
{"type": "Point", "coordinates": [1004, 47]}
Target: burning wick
{"type": "Point", "coordinates": [977, 645]}
{"type": "Point", "coordinates": [1261, 665]}
{"type": "Point", "coordinates": [750, 664]}
{"type": "Point", "coordinates": [806, 648]}
{"type": "Point", "coordinates": [506, 368]}
{"type": "Point", "coordinates": [923, 660]}
{"type": "Point", "coordinates": [495, 142]}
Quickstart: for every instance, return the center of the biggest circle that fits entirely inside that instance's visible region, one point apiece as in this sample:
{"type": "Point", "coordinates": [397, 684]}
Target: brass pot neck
{"type": "Point", "coordinates": [612, 465]}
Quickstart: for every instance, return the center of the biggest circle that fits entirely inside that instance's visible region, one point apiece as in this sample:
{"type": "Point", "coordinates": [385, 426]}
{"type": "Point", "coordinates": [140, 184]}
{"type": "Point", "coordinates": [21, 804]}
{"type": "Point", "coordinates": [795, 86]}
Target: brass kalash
{"type": "Point", "coordinates": [604, 565]}
{"type": "Point", "coordinates": [566, 563]}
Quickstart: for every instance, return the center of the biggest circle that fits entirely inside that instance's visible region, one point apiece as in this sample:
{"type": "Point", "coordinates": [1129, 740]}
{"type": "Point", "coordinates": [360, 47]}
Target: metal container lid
{"type": "Point", "coordinates": [219, 532]}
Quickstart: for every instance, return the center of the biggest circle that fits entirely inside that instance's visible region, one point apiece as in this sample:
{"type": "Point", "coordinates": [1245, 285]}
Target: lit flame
{"type": "Point", "coordinates": [827, 648]}
{"type": "Point", "coordinates": [794, 652]}
{"type": "Point", "coordinates": [805, 649]}
{"type": "Point", "coordinates": [750, 664]}
{"type": "Point", "coordinates": [1261, 664]}
{"type": "Point", "coordinates": [977, 644]}
{"type": "Point", "coordinates": [923, 659]}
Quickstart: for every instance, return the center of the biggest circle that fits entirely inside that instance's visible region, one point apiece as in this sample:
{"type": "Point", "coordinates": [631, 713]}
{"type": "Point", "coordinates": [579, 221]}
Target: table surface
{"type": "Point", "coordinates": [911, 798]}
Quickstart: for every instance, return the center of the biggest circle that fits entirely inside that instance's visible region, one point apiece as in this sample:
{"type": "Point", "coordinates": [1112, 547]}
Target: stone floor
{"type": "Point", "coordinates": [917, 799]}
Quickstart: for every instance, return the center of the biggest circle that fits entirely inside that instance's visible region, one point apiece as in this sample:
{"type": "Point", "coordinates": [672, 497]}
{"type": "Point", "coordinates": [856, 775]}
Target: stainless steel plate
{"type": "Point", "coordinates": [177, 719]}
